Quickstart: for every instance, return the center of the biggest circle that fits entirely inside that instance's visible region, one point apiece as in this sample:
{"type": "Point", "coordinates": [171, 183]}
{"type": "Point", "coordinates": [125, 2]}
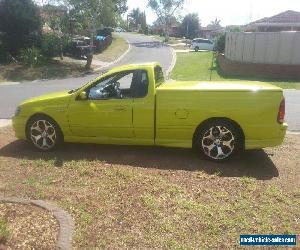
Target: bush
{"type": "Point", "coordinates": [220, 43]}
{"type": "Point", "coordinates": [3, 54]}
{"type": "Point", "coordinates": [50, 45]}
{"type": "Point", "coordinates": [31, 57]}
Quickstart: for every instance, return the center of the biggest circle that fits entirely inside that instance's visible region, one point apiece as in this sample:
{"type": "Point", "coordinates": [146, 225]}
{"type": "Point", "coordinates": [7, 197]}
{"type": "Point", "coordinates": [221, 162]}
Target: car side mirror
{"type": "Point", "coordinates": [82, 96]}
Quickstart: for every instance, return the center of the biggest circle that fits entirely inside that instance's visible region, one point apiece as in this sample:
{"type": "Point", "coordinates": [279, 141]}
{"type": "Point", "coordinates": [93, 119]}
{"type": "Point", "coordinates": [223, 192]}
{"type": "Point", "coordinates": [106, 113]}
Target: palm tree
{"type": "Point", "coordinates": [215, 24]}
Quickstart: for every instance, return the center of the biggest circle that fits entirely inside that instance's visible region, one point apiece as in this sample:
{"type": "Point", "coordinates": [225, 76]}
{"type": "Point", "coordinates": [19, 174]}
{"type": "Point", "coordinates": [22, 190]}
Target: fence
{"type": "Point", "coordinates": [263, 47]}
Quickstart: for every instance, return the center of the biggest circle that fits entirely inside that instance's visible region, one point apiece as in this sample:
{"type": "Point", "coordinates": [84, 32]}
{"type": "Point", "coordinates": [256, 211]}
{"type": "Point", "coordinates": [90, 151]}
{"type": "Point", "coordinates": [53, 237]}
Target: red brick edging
{"type": "Point", "coordinates": [66, 223]}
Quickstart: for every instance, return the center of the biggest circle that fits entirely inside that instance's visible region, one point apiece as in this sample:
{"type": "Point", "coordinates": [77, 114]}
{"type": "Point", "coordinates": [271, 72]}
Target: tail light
{"type": "Point", "coordinates": [281, 112]}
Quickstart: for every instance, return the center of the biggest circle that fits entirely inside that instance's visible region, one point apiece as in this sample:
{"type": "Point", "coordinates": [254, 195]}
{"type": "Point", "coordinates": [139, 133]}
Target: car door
{"type": "Point", "coordinates": [201, 45]}
{"type": "Point", "coordinates": [107, 110]}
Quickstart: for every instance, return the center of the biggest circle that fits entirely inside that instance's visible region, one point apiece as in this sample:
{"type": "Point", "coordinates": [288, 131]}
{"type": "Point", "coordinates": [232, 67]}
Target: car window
{"type": "Point", "coordinates": [140, 84]}
{"type": "Point", "coordinates": [159, 76]}
{"type": "Point", "coordinates": [126, 80]}
{"type": "Point", "coordinates": [116, 86]}
{"type": "Point", "coordinates": [126, 84]}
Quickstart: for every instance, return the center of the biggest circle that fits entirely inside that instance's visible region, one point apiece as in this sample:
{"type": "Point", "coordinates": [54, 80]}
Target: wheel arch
{"type": "Point", "coordinates": [234, 123]}
{"type": "Point", "coordinates": [42, 115]}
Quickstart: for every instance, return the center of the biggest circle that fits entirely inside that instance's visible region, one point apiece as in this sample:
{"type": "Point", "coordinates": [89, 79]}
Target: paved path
{"type": "Point", "coordinates": [143, 49]}
{"type": "Point", "coordinates": [292, 107]}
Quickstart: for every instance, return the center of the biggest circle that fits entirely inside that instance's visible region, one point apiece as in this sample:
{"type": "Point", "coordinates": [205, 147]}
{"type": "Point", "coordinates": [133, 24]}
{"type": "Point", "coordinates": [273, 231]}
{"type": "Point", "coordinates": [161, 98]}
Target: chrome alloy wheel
{"type": "Point", "coordinates": [43, 135]}
{"type": "Point", "coordinates": [218, 142]}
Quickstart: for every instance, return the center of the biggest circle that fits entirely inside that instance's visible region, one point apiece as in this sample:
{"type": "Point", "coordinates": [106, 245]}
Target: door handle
{"type": "Point", "coordinates": [120, 108]}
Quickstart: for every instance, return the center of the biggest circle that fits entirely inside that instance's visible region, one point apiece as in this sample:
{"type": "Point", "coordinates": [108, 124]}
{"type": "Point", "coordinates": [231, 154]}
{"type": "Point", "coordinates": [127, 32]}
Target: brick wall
{"type": "Point", "coordinates": [232, 68]}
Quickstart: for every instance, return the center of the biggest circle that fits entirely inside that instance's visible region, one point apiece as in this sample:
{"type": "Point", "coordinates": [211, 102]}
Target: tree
{"type": "Point", "coordinates": [137, 20]}
{"type": "Point", "coordinates": [215, 24]}
{"type": "Point", "coordinates": [165, 10]}
{"type": "Point", "coordinates": [190, 25]}
{"type": "Point", "coordinates": [20, 24]}
{"type": "Point", "coordinates": [95, 14]}
{"type": "Point", "coordinates": [55, 17]}
{"type": "Point", "coordinates": [220, 43]}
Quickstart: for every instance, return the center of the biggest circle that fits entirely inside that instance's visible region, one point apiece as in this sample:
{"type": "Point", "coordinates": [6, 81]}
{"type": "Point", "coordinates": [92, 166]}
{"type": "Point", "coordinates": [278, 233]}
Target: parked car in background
{"type": "Point", "coordinates": [202, 44]}
{"type": "Point", "coordinates": [119, 29]}
{"type": "Point", "coordinates": [79, 46]}
{"type": "Point", "coordinates": [134, 105]}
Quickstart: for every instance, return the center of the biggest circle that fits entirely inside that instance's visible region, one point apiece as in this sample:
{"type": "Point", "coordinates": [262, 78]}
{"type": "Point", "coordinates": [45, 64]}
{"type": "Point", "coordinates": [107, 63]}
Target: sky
{"type": "Point", "coordinates": [230, 12]}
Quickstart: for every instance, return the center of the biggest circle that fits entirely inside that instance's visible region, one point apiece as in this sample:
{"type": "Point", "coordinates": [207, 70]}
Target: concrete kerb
{"type": "Point", "coordinates": [66, 223]}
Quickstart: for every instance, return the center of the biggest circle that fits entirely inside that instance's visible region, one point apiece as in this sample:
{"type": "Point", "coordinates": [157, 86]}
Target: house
{"type": "Point", "coordinates": [49, 13]}
{"type": "Point", "coordinates": [210, 32]}
{"type": "Point", "coordinates": [285, 21]}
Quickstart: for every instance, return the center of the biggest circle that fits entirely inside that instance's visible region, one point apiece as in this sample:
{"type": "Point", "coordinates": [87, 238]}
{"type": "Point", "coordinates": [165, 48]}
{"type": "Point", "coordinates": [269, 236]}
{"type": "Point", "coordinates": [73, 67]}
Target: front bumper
{"type": "Point", "coordinates": [19, 126]}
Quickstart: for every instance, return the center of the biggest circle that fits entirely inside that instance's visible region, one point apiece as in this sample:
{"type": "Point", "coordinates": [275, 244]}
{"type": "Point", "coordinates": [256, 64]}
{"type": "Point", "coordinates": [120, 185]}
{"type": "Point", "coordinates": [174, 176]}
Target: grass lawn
{"type": "Point", "coordinates": [51, 70]}
{"type": "Point", "coordinates": [198, 66]}
{"type": "Point", "coordinates": [115, 50]}
{"type": "Point", "coordinates": [157, 198]}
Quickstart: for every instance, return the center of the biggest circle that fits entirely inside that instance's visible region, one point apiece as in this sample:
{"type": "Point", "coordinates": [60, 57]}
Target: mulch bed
{"type": "Point", "coordinates": [29, 227]}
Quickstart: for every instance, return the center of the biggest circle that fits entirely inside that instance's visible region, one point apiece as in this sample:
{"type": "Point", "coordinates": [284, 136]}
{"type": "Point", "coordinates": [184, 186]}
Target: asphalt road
{"type": "Point", "coordinates": [143, 49]}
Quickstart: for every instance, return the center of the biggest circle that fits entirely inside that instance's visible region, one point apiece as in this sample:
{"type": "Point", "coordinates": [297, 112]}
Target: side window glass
{"type": "Point", "coordinates": [100, 90]}
{"type": "Point", "coordinates": [125, 81]}
{"type": "Point", "coordinates": [116, 86]}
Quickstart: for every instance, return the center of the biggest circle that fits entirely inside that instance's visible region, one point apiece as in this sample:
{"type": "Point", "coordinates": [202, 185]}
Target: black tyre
{"type": "Point", "coordinates": [44, 133]}
{"type": "Point", "coordinates": [196, 49]}
{"type": "Point", "coordinates": [218, 140]}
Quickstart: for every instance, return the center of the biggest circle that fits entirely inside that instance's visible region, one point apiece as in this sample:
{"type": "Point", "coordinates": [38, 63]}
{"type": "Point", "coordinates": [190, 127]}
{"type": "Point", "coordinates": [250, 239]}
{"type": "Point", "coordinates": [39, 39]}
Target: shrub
{"type": "Point", "coordinates": [31, 57]}
{"type": "Point", "coordinates": [220, 43]}
{"type": "Point", "coordinates": [3, 54]}
{"type": "Point", "coordinates": [52, 45]}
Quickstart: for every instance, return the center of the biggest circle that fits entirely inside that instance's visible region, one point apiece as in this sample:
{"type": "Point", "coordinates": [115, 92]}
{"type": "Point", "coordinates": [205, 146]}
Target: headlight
{"type": "Point", "coordinates": [18, 111]}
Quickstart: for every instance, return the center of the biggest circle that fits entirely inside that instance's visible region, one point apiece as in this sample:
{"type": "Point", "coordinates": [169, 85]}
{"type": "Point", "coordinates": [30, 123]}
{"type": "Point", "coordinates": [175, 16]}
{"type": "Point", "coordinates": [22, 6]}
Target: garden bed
{"type": "Point", "coordinates": [53, 69]}
{"type": "Point", "coordinates": [27, 227]}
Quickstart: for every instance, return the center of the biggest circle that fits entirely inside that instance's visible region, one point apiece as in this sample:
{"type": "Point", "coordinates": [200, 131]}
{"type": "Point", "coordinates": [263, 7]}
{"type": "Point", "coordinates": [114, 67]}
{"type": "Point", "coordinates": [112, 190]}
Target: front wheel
{"type": "Point", "coordinates": [196, 49]}
{"type": "Point", "coordinates": [43, 133]}
{"type": "Point", "coordinates": [218, 140]}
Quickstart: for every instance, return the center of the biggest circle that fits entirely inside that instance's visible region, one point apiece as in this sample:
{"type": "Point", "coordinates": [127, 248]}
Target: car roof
{"type": "Point", "coordinates": [201, 39]}
{"type": "Point", "coordinates": [134, 66]}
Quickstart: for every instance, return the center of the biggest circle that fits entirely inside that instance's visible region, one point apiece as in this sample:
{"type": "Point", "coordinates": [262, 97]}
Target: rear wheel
{"type": "Point", "coordinates": [44, 133]}
{"type": "Point", "coordinates": [218, 140]}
